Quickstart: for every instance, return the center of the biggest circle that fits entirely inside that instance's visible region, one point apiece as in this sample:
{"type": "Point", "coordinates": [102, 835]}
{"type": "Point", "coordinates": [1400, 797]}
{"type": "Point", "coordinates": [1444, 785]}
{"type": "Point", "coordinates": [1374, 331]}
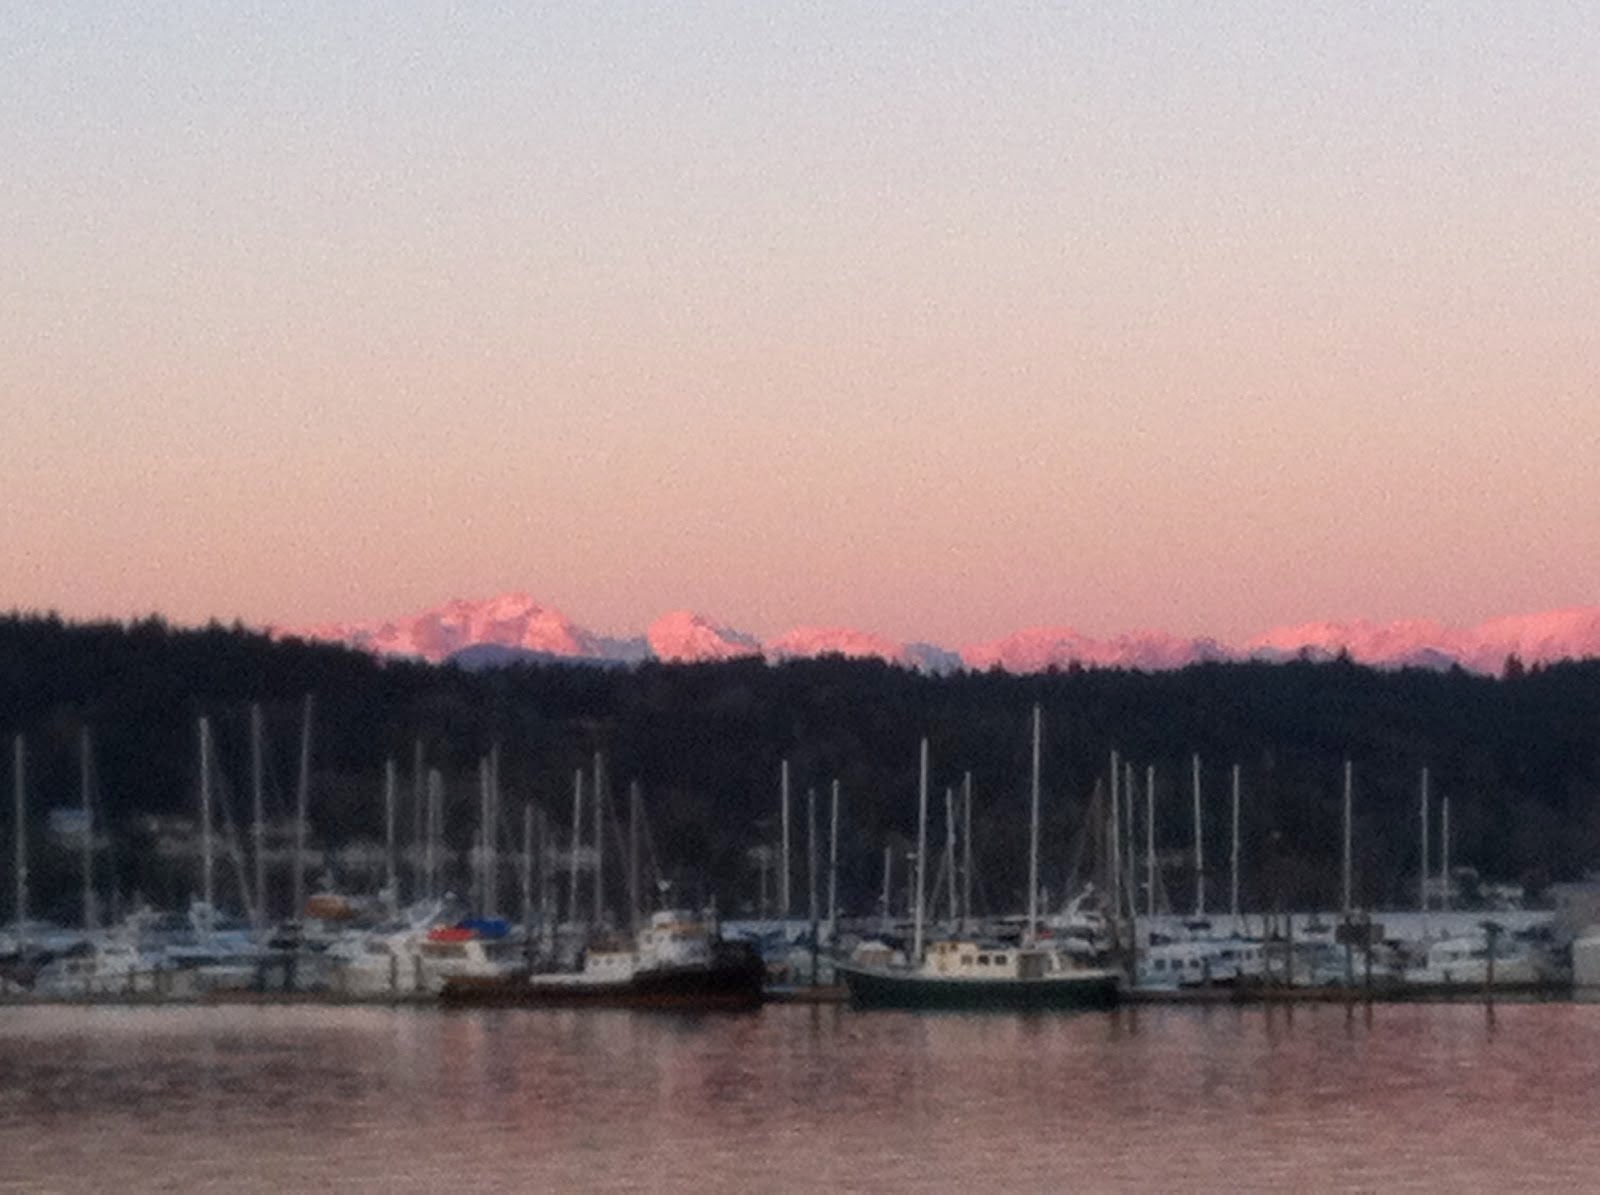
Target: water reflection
{"type": "Point", "coordinates": [1325, 1097]}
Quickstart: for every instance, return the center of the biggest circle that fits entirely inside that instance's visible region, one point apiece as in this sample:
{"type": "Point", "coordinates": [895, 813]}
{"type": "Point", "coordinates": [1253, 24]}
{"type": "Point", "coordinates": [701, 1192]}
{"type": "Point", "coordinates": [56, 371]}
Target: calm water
{"type": "Point", "coordinates": [1420, 1098]}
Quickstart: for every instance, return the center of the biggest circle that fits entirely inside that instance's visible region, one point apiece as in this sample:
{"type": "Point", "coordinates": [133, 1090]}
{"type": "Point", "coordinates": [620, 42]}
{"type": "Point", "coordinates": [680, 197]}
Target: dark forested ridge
{"type": "Point", "coordinates": [1518, 756]}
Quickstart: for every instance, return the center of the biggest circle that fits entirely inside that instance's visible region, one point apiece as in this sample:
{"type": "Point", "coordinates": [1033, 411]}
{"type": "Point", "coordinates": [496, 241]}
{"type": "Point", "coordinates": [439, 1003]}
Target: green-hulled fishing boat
{"type": "Point", "coordinates": [969, 974]}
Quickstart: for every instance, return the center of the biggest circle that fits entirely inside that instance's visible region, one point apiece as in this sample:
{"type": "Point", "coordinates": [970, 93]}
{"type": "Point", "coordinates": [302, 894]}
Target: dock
{"type": "Point", "coordinates": [1414, 993]}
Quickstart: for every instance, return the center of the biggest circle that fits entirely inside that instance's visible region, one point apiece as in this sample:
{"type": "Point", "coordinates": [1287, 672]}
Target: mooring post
{"type": "Point", "coordinates": [1491, 930]}
{"type": "Point", "coordinates": [1369, 958]}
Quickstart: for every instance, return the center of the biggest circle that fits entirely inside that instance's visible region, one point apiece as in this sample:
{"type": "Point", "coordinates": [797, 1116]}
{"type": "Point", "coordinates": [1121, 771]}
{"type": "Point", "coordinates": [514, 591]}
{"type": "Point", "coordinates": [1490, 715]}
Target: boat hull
{"type": "Point", "coordinates": [871, 987]}
{"type": "Point", "coordinates": [732, 984]}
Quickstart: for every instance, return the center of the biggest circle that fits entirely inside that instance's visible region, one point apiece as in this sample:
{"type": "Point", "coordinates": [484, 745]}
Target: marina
{"type": "Point", "coordinates": [491, 973]}
{"type": "Point", "coordinates": [1111, 943]}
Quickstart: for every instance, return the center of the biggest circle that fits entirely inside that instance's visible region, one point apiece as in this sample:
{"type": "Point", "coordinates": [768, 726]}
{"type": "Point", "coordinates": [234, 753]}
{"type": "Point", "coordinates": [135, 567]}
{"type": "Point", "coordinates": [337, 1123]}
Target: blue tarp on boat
{"type": "Point", "coordinates": [487, 927]}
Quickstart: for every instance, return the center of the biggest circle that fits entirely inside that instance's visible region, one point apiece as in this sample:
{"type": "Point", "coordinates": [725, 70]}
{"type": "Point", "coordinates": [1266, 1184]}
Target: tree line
{"type": "Point", "coordinates": [1517, 755]}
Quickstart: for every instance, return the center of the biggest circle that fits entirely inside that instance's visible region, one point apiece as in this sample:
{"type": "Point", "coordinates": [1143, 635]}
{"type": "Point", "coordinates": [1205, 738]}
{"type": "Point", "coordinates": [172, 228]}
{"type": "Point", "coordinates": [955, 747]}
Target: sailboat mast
{"type": "Point", "coordinates": [1115, 836]}
{"type": "Point", "coordinates": [19, 777]}
{"type": "Point", "coordinates": [633, 856]}
{"type": "Point", "coordinates": [922, 850]}
{"type": "Point", "coordinates": [888, 876]}
{"type": "Point", "coordinates": [302, 802]}
{"type": "Point", "coordinates": [547, 880]}
{"type": "Point", "coordinates": [599, 840]}
{"type": "Point", "coordinates": [966, 847]}
{"type": "Point", "coordinates": [1033, 835]}
{"type": "Point", "coordinates": [391, 882]}
{"type": "Point", "coordinates": [485, 901]}
{"type": "Point", "coordinates": [435, 831]}
{"type": "Point", "coordinates": [205, 819]}
{"type": "Point", "coordinates": [1444, 854]}
{"type": "Point", "coordinates": [419, 800]}
{"type": "Point", "coordinates": [1423, 870]}
{"type": "Point", "coordinates": [1150, 840]}
{"type": "Point", "coordinates": [833, 863]}
{"type": "Point", "coordinates": [950, 849]}
{"type": "Point", "coordinates": [527, 873]}
{"type": "Point", "coordinates": [577, 845]}
{"type": "Point", "coordinates": [1233, 894]}
{"type": "Point", "coordinates": [85, 755]}
{"type": "Point", "coordinates": [1130, 853]}
{"type": "Point", "coordinates": [1345, 877]}
{"type": "Point", "coordinates": [1199, 844]}
{"type": "Point", "coordinates": [783, 854]}
{"type": "Point", "coordinates": [491, 836]}
{"type": "Point", "coordinates": [257, 828]}
{"type": "Point", "coordinates": [813, 907]}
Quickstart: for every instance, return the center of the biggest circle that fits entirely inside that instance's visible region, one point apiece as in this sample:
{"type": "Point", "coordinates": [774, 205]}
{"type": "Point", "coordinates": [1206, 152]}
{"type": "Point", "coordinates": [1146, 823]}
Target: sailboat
{"type": "Point", "coordinates": [968, 973]}
{"type": "Point", "coordinates": [673, 959]}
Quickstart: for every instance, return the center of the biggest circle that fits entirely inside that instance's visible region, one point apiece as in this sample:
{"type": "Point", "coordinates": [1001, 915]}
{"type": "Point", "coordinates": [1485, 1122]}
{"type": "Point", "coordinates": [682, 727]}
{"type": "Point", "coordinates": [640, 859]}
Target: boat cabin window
{"type": "Point", "coordinates": [983, 960]}
{"type": "Point", "coordinates": [966, 960]}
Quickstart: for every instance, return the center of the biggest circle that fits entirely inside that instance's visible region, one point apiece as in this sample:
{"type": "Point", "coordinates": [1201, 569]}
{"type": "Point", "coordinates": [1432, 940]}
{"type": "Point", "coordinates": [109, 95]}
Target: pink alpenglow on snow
{"type": "Point", "coordinates": [1040, 648]}
{"type": "Point", "coordinates": [518, 621]}
{"type": "Point", "coordinates": [1407, 641]}
{"type": "Point", "coordinates": [1533, 638]}
{"type": "Point", "coordinates": [509, 620]}
{"type": "Point", "coordinates": [685, 637]}
{"type": "Point", "coordinates": [1541, 638]}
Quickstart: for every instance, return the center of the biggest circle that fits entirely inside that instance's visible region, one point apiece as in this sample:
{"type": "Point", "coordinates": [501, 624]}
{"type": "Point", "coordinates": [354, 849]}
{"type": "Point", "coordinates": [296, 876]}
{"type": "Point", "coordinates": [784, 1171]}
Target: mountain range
{"type": "Point", "coordinates": [515, 626]}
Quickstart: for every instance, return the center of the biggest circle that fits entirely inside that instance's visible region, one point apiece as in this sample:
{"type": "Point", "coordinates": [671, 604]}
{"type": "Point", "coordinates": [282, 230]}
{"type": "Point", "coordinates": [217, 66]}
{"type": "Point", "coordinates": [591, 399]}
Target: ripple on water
{"type": "Point", "coordinates": [1413, 1097]}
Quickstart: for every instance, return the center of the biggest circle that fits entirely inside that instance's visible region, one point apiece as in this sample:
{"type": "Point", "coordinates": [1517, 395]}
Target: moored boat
{"type": "Point", "coordinates": [974, 975]}
{"type": "Point", "coordinates": [964, 973]}
{"type": "Point", "coordinates": [1471, 961]}
{"type": "Point", "coordinates": [1167, 964]}
{"type": "Point", "coordinates": [675, 962]}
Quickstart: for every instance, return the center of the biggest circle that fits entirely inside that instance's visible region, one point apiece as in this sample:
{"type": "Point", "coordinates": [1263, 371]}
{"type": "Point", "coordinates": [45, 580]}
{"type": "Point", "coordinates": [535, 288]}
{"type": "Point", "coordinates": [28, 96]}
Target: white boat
{"type": "Point", "coordinates": [1465, 960]}
{"type": "Point", "coordinates": [213, 954]}
{"type": "Point", "coordinates": [375, 965]}
{"type": "Point", "coordinates": [1082, 927]}
{"type": "Point", "coordinates": [439, 957]}
{"type": "Point", "coordinates": [98, 967]}
{"type": "Point", "coordinates": [414, 962]}
{"type": "Point", "coordinates": [1166, 964]}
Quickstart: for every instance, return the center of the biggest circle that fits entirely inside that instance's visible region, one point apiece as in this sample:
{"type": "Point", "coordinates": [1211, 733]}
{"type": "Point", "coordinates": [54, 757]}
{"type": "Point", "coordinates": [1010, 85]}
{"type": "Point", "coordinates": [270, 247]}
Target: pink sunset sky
{"type": "Point", "coordinates": [938, 320]}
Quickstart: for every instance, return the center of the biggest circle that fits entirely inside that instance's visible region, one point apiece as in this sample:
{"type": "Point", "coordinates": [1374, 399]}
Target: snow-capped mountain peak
{"type": "Point", "coordinates": [686, 637]}
{"type": "Point", "coordinates": [523, 627]}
